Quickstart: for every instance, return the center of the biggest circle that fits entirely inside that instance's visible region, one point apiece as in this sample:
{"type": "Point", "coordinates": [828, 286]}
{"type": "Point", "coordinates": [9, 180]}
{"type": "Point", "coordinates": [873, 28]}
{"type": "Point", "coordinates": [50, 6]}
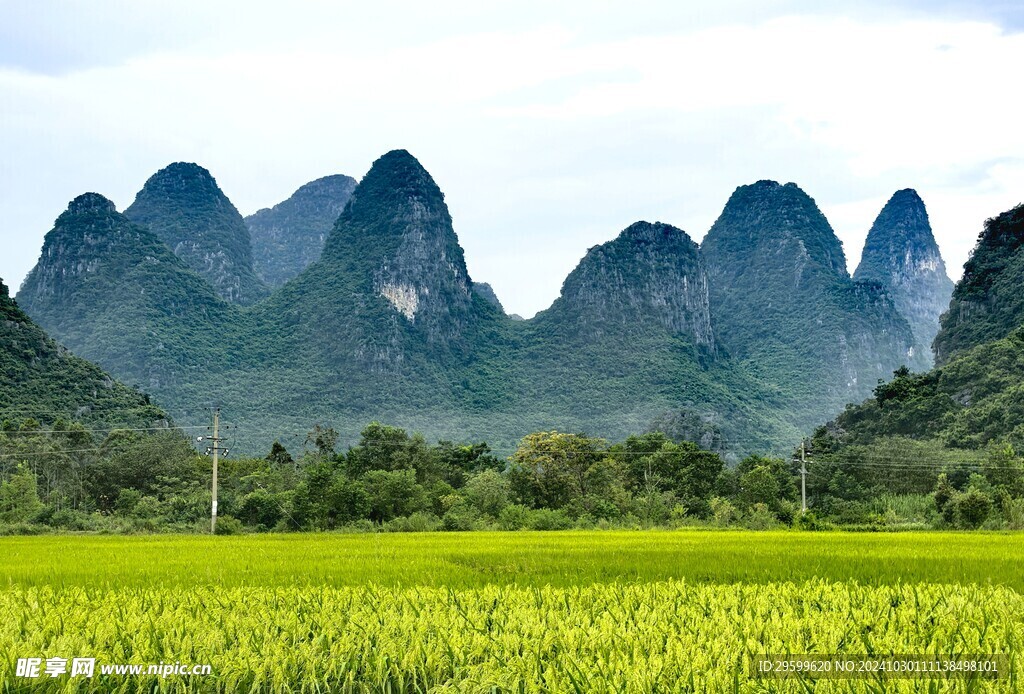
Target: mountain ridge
{"type": "Point", "coordinates": [388, 325]}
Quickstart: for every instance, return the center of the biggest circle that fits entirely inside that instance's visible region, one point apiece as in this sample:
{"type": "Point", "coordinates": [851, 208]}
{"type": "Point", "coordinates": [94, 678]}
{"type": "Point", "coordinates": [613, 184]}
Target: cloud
{"type": "Point", "coordinates": [547, 135]}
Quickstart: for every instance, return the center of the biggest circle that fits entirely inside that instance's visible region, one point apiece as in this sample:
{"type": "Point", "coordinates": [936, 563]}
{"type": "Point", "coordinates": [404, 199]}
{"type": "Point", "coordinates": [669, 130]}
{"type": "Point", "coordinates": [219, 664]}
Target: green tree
{"type": "Point", "coordinates": [972, 508]}
{"type": "Point", "coordinates": [383, 447]}
{"type": "Point", "coordinates": [488, 492]}
{"type": "Point", "coordinates": [279, 455]}
{"type": "Point", "coordinates": [324, 439]}
{"type": "Point", "coordinates": [1003, 468]}
{"type": "Point", "coordinates": [759, 486]}
{"type": "Point", "coordinates": [393, 493]}
{"type": "Point", "coordinates": [19, 500]}
{"type": "Point", "coordinates": [654, 461]}
{"type": "Point", "coordinates": [551, 469]}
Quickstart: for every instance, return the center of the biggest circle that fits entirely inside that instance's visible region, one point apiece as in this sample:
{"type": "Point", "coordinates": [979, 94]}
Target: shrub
{"type": "Point", "coordinates": [809, 521]}
{"type": "Point", "coordinates": [228, 525]}
{"type": "Point", "coordinates": [70, 519]}
{"type": "Point", "coordinates": [260, 508]}
{"type": "Point", "coordinates": [460, 517]}
{"type": "Point", "coordinates": [1014, 512]}
{"type": "Point", "coordinates": [488, 492]}
{"type": "Point", "coordinates": [972, 508]}
{"type": "Point", "coordinates": [549, 519]}
{"type": "Point", "coordinates": [723, 512]}
{"type": "Point", "coordinates": [513, 517]}
{"type": "Point", "coordinates": [418, 522]}
{"type": "Point", "coordinates": [759, 517]}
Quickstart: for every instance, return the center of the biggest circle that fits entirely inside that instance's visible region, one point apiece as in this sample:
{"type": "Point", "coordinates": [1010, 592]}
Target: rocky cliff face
{"type": "Point", "coordinates": [901, 255]}
{"type": "Point", "coordinates": [390, 296]}
{"type": "Point", "coordinates": [290, 236]}
{"type": "Point", "coordinates": [987, 302]}
{"type": "Point", "coordinates": [650, 274]}
{"type": "Point", "coordinates": [781, 299]}
{"type": "Point", "coordinates": [185, 208]}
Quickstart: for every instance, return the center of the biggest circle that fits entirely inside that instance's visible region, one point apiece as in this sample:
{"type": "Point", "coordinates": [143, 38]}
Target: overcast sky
{"type": "Point", "coordinates": [549, 126]}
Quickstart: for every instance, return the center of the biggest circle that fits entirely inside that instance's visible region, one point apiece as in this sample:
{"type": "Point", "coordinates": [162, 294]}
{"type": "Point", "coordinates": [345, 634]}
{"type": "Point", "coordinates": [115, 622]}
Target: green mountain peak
{"type": "Point", "coordinates": [901, 255]}
{"type": "Point", "coordinates": [183, 205]}
{"type": "Point", "coordinates": [104, 284]}
{"type": "Point", "coordinates": [781, 299]}
{"type": "Point", "coordinates": [91, 203]}
{"type": "Point", "coordinates": [649, 274]}
{"type": "Point", "coordinates": [395, 239]}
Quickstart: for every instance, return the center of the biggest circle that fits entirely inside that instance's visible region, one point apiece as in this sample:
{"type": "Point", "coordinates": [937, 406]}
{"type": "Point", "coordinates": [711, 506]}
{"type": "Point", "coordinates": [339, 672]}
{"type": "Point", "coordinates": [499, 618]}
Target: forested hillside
{"type": "Point", "coordinates": [44, 382]}
{"type": "Point", "coordinates": [987, 303]}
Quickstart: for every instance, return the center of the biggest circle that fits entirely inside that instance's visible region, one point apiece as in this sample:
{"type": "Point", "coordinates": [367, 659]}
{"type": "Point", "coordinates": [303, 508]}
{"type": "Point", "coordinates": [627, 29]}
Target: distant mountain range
{"type": "Point", "coordinates": [349, 303]}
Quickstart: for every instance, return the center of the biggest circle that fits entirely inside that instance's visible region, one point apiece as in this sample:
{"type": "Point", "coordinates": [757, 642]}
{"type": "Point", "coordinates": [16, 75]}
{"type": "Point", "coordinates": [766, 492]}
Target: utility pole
{"type": "Point", "coordinates": [214, 448]}
{"type": "Point", "coordinates": [803, 476]}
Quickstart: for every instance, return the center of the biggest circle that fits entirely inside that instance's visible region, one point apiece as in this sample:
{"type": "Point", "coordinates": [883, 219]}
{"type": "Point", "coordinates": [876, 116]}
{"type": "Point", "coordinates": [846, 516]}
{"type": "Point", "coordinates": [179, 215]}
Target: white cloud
{"type": "Point", "coordinates": [546, 137]}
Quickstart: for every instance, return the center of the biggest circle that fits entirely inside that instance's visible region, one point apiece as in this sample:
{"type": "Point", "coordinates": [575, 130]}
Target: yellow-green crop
{"type": "Point", "coordinates": [576, 612]}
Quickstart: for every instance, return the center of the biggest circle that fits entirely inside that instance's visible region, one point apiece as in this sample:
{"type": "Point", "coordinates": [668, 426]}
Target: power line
{"type": "Point", "coordinates": [55, 432]}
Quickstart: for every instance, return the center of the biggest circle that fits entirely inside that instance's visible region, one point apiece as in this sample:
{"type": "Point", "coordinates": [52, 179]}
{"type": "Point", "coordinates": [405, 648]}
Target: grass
{"type": "Point", "coordinates": [577, 611]}
{"type": "Point", "coordinates": [471, 560]}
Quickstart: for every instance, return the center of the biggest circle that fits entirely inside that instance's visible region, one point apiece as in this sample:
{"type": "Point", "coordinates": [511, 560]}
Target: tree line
{"type": "Point", "coordinates": [65, 478]}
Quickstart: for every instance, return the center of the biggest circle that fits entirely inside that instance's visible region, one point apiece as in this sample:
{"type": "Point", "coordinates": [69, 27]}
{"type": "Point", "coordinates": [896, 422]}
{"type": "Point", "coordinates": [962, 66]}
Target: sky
{"type": "Point", "coordinates": [550, 127]}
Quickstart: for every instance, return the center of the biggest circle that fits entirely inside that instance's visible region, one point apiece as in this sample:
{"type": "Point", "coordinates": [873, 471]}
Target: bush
{"type": "Point", "coordinates": [260, 508]}
{"type": "Point", "coordinates": [460, 517]}
{"type": "Point", "coordinates": [22, 529]}
{"type": "Point", "coordinates": [229, 525]}
{"type": "Point", "coordinates": [759, 517]}
{"type": "Point", "coordinates": [809, 521]}
{"type": "Point", "coordinates": [514, 517]}
{"type": "Point", "coordinates": [362, 525]}
{"type": "Point", "coordinates": [70, 519]}
{"type": "Point", "coordinates": [126, 501]}
{"type": "Point", "coordinates": [972, 508]}
{"type": "Point", "coordinates": [416, 523]}
{"type": "Point", "coordinates": [549, 519]}
{"type": "Point", "coordinates": [1014, 512]}
{"type": "Point", "coordinates": [488, 492]}
{"type": "Point", "coordinates": [723, 513]}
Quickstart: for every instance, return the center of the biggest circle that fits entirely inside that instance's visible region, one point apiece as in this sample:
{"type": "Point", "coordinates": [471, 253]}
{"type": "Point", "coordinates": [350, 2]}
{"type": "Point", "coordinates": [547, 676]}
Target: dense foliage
{"type": "Point", "coordinates": [43, 380]}
{"type": "Point", "coordinates": [987, 303]}
{"type": "Point", "coordinates": [71, 478]}
{"type": "Point", "coordinates": [963, 419]}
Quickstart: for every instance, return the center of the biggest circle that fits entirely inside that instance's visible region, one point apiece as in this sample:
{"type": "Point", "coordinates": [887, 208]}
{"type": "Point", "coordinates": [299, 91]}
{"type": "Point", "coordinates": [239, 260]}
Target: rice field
{"type": "Point", "coordinates": [523, 612]}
